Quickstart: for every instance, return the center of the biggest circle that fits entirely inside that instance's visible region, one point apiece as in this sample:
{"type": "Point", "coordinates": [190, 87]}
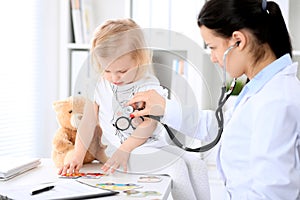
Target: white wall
{"type": "Point", "coordinates": [29, 41]}
{"type": "Point", "coordinates": [294, 16]}
{"type": "Point", "coordinates": [50, 61]}
{"type": "Point", "coordinates": [110, 9]}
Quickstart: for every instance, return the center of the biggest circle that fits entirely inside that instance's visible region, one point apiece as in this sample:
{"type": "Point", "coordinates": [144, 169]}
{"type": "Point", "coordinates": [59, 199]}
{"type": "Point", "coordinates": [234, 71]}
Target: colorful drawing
{"type": "Point", "coordinates": [136, 193]}
{"type": "Point", "coordinates": [118, 186]}
{"type": "Point", "coordinates": [83, 175]}
{"type": "Point", "coordinates": [149, 179]}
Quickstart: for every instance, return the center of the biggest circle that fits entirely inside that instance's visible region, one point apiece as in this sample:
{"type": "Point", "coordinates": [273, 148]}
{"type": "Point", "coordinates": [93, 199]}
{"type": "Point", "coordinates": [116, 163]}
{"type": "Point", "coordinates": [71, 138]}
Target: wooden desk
{"type": "Point", "coordinates": [47, 172]}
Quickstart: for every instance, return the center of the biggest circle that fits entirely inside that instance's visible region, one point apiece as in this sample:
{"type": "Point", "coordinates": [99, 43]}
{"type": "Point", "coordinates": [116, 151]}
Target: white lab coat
{"type": "Point", "coordinates": [259, 152]}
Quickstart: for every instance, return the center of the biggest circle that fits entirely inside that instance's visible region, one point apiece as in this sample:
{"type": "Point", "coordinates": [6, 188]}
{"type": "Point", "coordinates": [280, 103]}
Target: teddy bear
{"type": "Point", "coordinates": [69, 113]}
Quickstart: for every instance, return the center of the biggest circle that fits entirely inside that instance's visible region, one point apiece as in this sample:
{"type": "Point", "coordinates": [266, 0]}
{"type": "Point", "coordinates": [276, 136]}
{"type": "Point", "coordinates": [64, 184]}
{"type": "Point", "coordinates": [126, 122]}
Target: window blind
{"type": "Point", "coordinates": [19, 77]}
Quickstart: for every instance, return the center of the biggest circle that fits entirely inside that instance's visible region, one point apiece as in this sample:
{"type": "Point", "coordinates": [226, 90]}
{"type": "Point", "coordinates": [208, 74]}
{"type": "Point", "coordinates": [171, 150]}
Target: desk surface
{"type": "Point", "coordinates": [47, 173]}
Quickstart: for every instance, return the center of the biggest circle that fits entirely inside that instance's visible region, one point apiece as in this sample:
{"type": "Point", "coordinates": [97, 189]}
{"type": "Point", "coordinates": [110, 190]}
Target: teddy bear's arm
{"type": "Point", "coordinates": [61, 142]}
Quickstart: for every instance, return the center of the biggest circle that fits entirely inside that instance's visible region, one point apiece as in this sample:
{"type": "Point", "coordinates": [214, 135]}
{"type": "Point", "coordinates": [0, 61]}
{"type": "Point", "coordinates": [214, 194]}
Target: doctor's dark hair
{"type": "Point", "coordinates": [263, 19]}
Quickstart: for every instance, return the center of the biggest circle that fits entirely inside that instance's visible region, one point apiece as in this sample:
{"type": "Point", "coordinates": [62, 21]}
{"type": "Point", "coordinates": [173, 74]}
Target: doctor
{"type": "Point", "coordinates": [259, 153]}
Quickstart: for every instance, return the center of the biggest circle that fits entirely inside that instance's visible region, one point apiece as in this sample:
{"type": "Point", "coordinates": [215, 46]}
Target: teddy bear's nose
{"type": "Point", "coordinates": [75, 119]}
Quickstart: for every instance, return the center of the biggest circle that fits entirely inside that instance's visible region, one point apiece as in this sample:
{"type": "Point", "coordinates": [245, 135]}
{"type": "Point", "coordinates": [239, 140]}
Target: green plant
{"type": "Point", "coordinates": [238, 87]}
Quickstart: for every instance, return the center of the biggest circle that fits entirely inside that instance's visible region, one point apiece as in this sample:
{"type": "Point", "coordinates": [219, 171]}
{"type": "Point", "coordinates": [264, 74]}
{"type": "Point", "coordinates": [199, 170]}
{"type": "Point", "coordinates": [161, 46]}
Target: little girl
{"type": "Point", "coordinates": [120, 50]}
{"type": "Point", "coordinates": [120, 53]}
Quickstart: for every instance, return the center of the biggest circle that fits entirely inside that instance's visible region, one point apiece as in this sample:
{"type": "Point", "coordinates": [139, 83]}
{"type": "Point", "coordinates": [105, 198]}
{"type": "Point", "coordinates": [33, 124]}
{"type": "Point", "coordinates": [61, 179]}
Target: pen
{"type": "Point", "coordinates": [44, 189]}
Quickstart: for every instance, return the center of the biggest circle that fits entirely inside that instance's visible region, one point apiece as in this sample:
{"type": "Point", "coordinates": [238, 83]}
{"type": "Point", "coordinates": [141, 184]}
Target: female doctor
{"type": "Point", "coordinates": [259, 152]}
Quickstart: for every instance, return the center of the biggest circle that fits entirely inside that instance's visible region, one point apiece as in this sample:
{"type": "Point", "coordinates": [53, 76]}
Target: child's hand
{"type": "Point", "coordinates": [119, 158]}
{"type": "Point", "coordinates": [72, 164]}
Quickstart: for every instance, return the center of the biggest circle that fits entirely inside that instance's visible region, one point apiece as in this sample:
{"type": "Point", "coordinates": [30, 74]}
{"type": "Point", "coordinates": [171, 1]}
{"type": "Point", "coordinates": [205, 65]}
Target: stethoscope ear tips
{"type": "Point", "coordinates": [237, 43]}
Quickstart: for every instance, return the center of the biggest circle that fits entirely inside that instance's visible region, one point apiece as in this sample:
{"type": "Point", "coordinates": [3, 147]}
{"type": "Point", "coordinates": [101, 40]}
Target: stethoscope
{"type": "Point", "coordinates": [219, 111]}
{"type": "Point", "coordinates": [123, 123]}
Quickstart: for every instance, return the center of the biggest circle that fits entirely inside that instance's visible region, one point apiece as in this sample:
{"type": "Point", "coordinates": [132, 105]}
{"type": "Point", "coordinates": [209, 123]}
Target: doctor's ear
{"type": "Point", "coordinates": [239, 37]}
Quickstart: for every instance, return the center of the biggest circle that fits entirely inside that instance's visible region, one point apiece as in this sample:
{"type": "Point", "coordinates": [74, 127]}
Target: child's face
{"type": "Point", "coordinates": [122, 71]}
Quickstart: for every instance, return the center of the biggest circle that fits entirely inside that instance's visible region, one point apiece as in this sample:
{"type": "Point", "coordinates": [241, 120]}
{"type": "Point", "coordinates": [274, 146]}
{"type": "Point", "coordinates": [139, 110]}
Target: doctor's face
{"type": "Point", "coordinates": [218, 46]}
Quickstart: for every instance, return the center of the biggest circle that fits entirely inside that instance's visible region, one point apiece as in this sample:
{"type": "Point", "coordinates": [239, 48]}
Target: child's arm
{"type": "Point", "coordinates": [74, 159]}
{"type": "Point", "coordinates": [139, 136]}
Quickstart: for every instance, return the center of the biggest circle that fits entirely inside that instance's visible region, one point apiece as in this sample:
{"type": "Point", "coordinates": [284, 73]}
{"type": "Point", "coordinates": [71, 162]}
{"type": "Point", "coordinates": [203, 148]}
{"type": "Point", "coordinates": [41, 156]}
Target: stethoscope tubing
{"type": "Point", "coordinates": [219, 112]}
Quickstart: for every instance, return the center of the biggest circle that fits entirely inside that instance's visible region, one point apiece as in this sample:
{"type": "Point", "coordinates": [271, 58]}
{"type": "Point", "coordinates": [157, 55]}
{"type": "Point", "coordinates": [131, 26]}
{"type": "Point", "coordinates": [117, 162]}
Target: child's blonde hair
{"type": "Point", "coordinates": [115, 38]}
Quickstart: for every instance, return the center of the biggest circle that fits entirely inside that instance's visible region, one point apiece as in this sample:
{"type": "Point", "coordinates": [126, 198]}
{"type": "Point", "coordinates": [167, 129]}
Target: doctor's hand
{"type": "Point", "coordinates": [119, 158]}
{"type": "Point", "coordinates": [152, 103]}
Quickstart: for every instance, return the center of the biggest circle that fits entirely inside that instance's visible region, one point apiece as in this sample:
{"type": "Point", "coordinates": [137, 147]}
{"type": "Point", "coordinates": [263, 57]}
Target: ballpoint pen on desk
{"type": "Point", "coordinates": [42, 189]}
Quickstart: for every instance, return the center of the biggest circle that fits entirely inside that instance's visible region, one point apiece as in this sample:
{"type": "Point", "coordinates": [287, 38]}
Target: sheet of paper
{"type": "Point", "coordinates": [63, 189]}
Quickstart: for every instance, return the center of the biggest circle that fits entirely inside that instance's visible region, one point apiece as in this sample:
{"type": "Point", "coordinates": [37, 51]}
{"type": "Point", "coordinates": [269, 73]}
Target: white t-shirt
{"type": "Point", "coordinates": [111, 100]}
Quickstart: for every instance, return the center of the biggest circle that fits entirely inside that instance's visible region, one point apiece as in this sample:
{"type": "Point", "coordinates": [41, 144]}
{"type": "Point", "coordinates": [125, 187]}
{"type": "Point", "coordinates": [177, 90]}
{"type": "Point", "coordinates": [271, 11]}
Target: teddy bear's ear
{"type": "Point", "coordinates": [57, 105]}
